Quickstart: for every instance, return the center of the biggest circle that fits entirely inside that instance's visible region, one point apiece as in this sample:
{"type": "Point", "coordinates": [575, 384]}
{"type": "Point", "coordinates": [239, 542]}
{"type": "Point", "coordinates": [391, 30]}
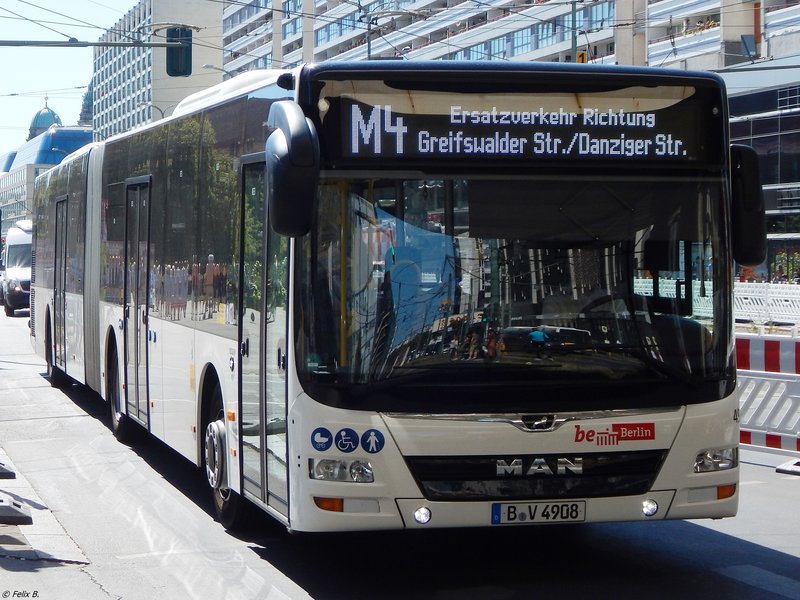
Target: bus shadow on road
{"type": "Point", "coordinates": [179, 472]}
{"type": "Point", "coordinates": [670, 559]}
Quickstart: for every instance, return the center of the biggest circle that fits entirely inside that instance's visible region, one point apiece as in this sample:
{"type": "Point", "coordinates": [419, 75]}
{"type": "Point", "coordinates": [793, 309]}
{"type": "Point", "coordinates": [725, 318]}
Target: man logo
{"type": "Point", "coordinates": [531, 467]}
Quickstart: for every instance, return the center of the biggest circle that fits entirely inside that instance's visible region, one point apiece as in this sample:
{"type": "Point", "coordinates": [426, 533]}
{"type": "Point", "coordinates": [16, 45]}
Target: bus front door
{"type": "Point", "coordinates": [262, 375]}
{"type": "Point", "coordinates": [137, 261]}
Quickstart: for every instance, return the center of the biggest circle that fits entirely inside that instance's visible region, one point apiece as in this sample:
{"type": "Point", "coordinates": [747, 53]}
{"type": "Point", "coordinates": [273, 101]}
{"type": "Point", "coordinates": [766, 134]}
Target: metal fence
{"type": "Point", "coordinates": [767, 303]}
{"type": "Point", "coordinates": [757, 303]}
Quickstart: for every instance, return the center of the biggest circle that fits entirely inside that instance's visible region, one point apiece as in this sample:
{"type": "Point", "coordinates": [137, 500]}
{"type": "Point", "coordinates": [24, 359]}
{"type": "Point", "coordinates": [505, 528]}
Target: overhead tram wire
{"type": "Point", "coordinates": [40, 92]}
{"type": "Point", "coordinates": [42, 22]}
{"type": "Point", "coordinates": [515, 9]}
{"type": "Point", "coordinates": [38, 23]}
{"type": "Point", "coordinates": [358, 26]}
{"type": "Point", "coordinates": [55, 12]}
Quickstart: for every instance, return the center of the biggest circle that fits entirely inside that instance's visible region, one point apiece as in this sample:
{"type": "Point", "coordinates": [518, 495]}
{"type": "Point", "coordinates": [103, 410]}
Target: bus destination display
{"type": "Point", "coordinates": [464, 132]}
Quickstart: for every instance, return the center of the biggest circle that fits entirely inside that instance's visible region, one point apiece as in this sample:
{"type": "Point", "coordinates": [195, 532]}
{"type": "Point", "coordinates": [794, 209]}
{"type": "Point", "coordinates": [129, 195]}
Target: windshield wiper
{"type": "Point", "coordinates": [657, 365]}
{"type": "Point", "coordinates": [461, 373]}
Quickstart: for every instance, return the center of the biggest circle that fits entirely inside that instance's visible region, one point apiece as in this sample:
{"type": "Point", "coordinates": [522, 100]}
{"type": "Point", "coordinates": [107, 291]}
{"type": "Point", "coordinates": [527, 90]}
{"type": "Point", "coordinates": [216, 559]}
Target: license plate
{"type": "Point", "coordinates": [538, 512]}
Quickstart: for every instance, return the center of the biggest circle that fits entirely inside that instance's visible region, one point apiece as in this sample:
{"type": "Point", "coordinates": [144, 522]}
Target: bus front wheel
{"type": "Point", "coordinates": [228, 505]}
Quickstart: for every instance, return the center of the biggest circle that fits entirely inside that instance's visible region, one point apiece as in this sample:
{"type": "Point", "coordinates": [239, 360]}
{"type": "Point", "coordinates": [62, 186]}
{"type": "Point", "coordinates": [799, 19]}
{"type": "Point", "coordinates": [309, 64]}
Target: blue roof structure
{"type": "Point", "coordinates": [50, 147]}
{"type": "Point", "coordinates": [6, 161]}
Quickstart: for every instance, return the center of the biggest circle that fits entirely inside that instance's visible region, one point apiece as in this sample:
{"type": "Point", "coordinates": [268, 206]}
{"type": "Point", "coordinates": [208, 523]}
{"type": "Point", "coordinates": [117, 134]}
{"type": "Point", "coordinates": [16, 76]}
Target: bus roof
{"type": "Point", "coordinates": [459, 66]}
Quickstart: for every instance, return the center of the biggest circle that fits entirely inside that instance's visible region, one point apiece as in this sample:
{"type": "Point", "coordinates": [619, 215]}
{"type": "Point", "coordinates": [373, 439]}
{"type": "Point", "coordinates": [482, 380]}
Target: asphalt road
{"type": "Point", "coordinates": [135, 522]}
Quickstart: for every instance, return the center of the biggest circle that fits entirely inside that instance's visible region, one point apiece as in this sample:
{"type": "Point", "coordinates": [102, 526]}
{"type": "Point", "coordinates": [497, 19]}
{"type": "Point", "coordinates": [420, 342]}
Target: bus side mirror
{"type": "Point", "coordinates": [747, 211]}
{"type": "Point", "coordinates": [292, 169]}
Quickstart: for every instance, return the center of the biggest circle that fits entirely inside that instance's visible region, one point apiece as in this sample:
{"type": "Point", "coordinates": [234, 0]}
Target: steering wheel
{"type": "Point", "coordinates": [601, 300]}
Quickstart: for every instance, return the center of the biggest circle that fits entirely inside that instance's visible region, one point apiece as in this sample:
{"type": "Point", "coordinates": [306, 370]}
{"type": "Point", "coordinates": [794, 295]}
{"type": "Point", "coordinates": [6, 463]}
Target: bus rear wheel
{"type": "Point", "coordinates": [57, 378]}
{"type": "Point", "coordinates": [121, 426]}
{"type": "Point", "coordinates": [230, 507]}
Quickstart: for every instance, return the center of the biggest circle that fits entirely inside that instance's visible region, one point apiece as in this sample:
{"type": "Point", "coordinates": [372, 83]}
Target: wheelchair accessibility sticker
{"type": "Point", "coordinates": [347, 440]}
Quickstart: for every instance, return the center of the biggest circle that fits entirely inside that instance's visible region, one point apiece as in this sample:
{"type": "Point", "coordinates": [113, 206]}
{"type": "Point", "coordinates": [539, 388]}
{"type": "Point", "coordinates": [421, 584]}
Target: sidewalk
{"type": "Point", "coordinates": [21, 385]}
{"type": "Point", "coordinates": [40, 560]}
{"type": "Point", "coordinates": [45, 539]}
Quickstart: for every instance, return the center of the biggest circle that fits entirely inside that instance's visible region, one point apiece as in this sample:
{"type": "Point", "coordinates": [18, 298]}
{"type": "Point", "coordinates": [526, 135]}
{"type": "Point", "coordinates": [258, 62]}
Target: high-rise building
{"type": "Point", "coordinates": [717, 34]}
{"type": "Point", "coordinates": [701, 34]}
{"type": "Point", "coordinates": [130, 84]}
{"type": "Point", "coordinates": [261, 34]}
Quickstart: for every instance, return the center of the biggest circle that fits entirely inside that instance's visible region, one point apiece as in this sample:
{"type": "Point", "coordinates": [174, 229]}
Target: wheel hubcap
{"type": "Point", "coordinates": [214, 444]}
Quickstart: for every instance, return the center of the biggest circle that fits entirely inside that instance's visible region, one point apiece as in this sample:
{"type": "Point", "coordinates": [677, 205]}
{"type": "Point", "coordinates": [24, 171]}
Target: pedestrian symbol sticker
{"type": "Point", "coordinates": [372, 441]}
{"type": "Point", "coordinates": [346, 440]}
{"type": "Point", "coordinates": [321, 439]}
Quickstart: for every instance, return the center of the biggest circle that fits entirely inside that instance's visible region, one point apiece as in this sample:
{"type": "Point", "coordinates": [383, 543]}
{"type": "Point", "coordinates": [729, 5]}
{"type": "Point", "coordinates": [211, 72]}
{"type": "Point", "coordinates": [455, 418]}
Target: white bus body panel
{"type": "Point", "coordinates": [110, 332]}
{"type": "Point", "coordinates": [391, 501]}
{"type": "Point", "coordinates": [181, 354]}
{"type": "Point", "coordinates": [75, 343]}
{"type": "Point", "coordinates": [91, 286]}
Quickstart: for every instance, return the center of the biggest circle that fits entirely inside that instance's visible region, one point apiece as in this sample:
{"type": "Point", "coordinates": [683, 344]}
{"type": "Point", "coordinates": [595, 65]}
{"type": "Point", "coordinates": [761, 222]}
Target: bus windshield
{"type": "Point", "coordinates": [460, 282]}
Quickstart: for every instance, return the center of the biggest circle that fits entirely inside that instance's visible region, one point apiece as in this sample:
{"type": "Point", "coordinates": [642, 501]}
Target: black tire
{"type": "Point", "coordinates": [57, 378]}
{"type": "Point", "coordinates": [9, 310]}
{"type": "Point", "coordinates": [230, 508]}
{"type": "Point", "coordinates": [121, 426]}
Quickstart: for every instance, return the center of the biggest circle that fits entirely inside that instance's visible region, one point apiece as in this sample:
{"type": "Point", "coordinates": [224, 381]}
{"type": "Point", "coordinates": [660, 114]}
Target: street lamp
{"type": "Point", "coordinates": [162, 112]}
{"type": "Point", "coordinates": [216, 68]}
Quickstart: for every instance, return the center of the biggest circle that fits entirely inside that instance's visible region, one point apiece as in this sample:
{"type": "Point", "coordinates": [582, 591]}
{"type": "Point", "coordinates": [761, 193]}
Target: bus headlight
{"type": "Point", "coordinates": [716, 459]}
{"type": "Point", "coordinates": [356, 470]}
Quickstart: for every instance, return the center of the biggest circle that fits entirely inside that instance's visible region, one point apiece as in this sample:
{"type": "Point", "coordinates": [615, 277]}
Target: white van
{"type": "Point", "coordinates": [15, 267]}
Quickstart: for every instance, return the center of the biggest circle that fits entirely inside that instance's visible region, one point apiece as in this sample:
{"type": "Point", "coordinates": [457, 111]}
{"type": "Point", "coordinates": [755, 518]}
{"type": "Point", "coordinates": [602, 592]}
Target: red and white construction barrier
{"type": "Point", "coordinates": [770, 440]}
{"type": "Point", "coordinates": [761, 353]}
{"type": "Point", "coordinates": [769, 380]}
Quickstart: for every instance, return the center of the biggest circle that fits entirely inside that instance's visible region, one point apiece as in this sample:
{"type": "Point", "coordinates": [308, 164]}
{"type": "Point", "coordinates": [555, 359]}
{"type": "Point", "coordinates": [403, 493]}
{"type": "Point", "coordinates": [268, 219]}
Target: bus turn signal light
{"type": "Point", "coordinates": [331, 504]}
{"type": "Point", "coordinates": [726, 491]}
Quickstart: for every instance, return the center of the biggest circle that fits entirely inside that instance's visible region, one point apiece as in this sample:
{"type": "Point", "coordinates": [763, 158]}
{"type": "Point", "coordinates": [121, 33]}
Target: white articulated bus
{"type": "Point", "coordinates": [402, 294]}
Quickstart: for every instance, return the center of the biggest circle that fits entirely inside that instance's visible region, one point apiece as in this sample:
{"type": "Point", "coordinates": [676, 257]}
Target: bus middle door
{"type": "Point", "coordinates": [137, 285]}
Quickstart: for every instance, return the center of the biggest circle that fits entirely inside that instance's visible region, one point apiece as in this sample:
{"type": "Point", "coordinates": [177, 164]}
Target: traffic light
{"type": "Point", "coordinates": [179, 58]}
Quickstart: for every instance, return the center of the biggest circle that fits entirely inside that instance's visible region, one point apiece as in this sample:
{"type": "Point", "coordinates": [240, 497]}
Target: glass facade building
{"type": "Point", "coordinates": [769, 120]}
